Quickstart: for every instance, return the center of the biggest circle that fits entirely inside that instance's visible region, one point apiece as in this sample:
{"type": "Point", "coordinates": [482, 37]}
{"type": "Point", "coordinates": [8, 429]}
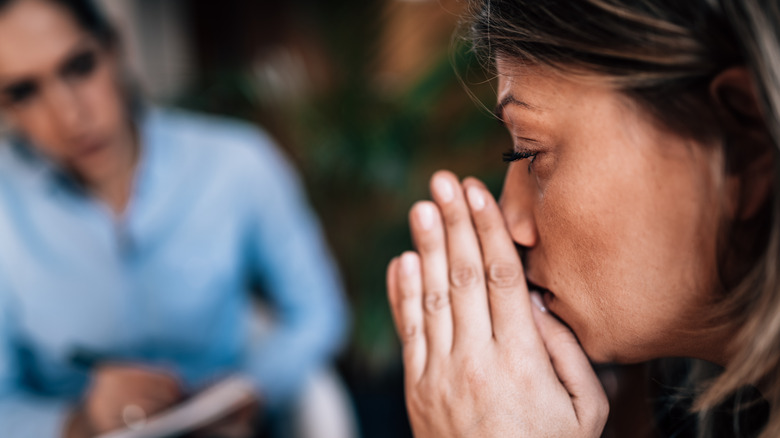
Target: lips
{"type": "Point", "coordinates": [88, 148]}
{"type": "Point", "coordinates": [548, 297]}
{"type": "Point", "coordinates": [534, 287]}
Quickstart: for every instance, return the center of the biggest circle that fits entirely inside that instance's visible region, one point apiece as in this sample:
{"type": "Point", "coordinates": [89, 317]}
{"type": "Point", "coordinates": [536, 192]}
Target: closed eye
{"type": "Point", "coordinates": [517, 155]}
{"type": "Point", "coordinates": [514, 155]}
{"type": "Point", "coordinates": [80, 65]}
{"type": "Point", "coordinates": [20, 92]}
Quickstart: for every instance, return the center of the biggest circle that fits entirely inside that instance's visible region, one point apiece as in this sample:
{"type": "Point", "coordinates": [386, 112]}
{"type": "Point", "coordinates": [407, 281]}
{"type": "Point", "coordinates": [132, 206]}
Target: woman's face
{"type": "Point", "coordinates": [58, 86]}
{"type": "Point", "coordinates": [619, 217]}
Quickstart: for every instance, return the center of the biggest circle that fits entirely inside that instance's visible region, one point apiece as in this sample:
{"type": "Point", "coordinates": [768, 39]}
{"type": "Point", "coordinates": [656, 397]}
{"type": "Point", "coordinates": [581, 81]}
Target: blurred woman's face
{"type": "Point", "coordinates": [618, 216]}
{"type": "Point", "coordinates": [59, 87]}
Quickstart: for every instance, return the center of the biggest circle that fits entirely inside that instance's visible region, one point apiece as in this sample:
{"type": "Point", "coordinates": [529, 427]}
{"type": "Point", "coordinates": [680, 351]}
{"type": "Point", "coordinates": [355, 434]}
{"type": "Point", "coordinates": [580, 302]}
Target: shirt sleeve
{"type": "Point", "coordinates": [300, 278]}
{"type": "Point", "coordinates": [22, 413]}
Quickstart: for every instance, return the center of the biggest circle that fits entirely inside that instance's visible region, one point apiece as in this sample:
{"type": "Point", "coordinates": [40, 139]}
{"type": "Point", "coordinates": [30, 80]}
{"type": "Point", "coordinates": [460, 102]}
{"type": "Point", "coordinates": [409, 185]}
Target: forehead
{"type": "Point", "coordinates": [545, 91]}
{"type": "Point", "coordinates": [531, 85]}
{"type": "Point", "coordinates": [34, 37]}
{"type": "Point", "coordinates": [583, 109]}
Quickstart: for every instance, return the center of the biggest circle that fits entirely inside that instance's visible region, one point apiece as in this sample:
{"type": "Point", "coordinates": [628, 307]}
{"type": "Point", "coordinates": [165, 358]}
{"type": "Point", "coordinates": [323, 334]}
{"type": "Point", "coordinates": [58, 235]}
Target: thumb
{"type": "Point", "coordinates": [572, 366]}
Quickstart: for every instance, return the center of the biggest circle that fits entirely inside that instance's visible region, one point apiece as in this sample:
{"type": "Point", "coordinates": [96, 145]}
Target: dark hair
{"type": "Point", "coordinates": [88, 15]}
{"type": "Point", "coordinates": [664, 54]}
{"type": "Point", "coordinates": [661, 52]}
{"type": "Point", "coordinates": [91, 18]}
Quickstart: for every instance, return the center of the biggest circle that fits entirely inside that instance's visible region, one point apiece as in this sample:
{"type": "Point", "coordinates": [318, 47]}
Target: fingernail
{"type": "Point", "coordinates": [476, 198]}
{"type": "Point", "coordinates": [538, 302]}
{"type": "Point", "coordinates": [425, 216]}
{"type": "Point", "coordinates": [409, 263]}
{"type": "Point", "coordinates": [443, 189]}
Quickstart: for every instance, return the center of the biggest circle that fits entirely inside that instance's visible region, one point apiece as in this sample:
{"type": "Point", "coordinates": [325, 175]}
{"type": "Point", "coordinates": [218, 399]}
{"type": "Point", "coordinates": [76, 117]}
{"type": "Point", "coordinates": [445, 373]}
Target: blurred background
{"type": "Point", "coordinates": [367, 97]}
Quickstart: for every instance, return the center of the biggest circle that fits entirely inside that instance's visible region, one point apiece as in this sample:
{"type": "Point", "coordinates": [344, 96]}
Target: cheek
{"type": "Point", "coordinates": [35, 121]}
{"type": "Point", "coordinates": [630, 247]}
{"type": "Point", "coordinates": [103, 100]}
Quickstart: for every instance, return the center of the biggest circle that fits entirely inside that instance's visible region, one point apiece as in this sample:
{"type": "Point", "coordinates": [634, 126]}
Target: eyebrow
{"type": "Point", "coordinates": [77, 49]}
{"type": "Point", "coordinates": [509, 99]}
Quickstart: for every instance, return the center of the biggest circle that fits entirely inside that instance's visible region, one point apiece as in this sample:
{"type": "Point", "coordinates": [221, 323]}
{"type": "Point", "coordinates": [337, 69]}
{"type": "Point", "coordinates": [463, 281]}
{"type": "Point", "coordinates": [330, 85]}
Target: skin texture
{"type": "Point", "coordinates": [617, 217]}
{"type": "Point", "coordinates": [476, 351]}
{"type": "Point", "coordinates": [75, 116]}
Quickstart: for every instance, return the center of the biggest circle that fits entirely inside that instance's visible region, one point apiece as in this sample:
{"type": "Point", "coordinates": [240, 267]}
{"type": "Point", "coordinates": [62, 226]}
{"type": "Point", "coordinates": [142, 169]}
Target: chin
{"type": "Point", "coordinates": [602, 349]}
{"type": "Point", "coordinates": [608, 354]}
{"type": "Point", "coordinates": [597, 355]}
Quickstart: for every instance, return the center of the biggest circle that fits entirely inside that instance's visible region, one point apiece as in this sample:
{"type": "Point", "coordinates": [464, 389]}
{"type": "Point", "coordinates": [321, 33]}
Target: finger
{"type": "Point", "coordinates": [571, 366]}
{"type": "Point", "coordinates": [507, 290]}
{"type": "Point", "coordinates": [138, 379]}
{"type": "Point", "coordinates": [392, 291]}
{"type": "Point", "coordinates": [468, 297]}
{"type": "Point", "coordinates": [411, 316]}
{"type": "Point", "coordinates": [161, 385]}
{"type": "Point", "coordinates": [153, 393]}
{"type": "Point", "coordinates": [428, 234]}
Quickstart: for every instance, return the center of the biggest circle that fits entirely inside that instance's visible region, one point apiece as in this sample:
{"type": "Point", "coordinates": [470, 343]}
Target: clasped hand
{"type": "Point", "coordinates": [482, 357]}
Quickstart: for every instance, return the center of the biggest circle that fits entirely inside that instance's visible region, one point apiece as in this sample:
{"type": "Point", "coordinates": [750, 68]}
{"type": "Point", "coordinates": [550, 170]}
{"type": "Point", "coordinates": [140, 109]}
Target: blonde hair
{"type": "Point", "coordinates": [755, 302]}
{"type": "Point", "coordinates": [664, 54]}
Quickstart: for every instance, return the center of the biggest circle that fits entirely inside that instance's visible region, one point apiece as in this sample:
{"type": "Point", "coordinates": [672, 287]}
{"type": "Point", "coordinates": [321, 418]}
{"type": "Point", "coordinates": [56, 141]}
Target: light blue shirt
{"type": "Point", "coordinates": [215, 209]}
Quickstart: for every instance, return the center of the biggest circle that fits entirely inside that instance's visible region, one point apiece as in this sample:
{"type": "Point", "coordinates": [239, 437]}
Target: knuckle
{"type": "Point", "coordinates": [435, 301]}
{"type": "Point", "coordinates": [409, 333]}
{"type": "Point", "coordinates": [474, 373]}
{"type": "Point", "coordinates": [455, 216]}
{"type": "Point", "coordinates": [463, 275]}
{"type": "Point", "coordinates": [487, 225]}
{"type": "Point", "coordinates": [429, 244]}
{"type": "Point", "coordinates": [418, 400]}
{"type": "Point", "coordinates": [504, 275]}
{"type": "Point", "coordinates": [408, 293]}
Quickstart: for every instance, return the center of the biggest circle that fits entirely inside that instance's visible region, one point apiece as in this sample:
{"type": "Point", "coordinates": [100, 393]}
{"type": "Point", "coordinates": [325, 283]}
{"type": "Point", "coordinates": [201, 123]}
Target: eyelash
{"type": "Point", "coordinates": [20, 93]}
{"type": "Point", "coordinates": [513, 155]}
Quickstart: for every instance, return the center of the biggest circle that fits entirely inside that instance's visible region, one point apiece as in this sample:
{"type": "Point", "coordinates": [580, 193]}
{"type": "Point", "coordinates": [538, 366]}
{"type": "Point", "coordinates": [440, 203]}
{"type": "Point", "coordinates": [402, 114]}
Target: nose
{"type": "Point", "coordinates": [66, 110]}
{"type": "Point", "coordinates": [517, 204]}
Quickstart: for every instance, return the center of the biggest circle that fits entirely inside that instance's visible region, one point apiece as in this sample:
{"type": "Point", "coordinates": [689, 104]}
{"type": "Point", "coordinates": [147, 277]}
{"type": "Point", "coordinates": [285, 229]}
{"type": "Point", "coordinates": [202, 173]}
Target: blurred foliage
{"type": "Point", "coordinates": [366, 154]}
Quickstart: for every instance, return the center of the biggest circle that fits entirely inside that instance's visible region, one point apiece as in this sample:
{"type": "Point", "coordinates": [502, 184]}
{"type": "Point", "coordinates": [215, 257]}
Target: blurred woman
{"type": "Point", "coordinates": [641, 199]}
{"type": "Point", "coordinates": [130, 237]}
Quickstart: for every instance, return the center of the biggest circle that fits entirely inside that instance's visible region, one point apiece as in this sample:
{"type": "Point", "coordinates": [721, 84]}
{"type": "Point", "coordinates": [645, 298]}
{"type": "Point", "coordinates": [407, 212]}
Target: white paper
{"type": "Point", "coordinates": [206, 407]}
